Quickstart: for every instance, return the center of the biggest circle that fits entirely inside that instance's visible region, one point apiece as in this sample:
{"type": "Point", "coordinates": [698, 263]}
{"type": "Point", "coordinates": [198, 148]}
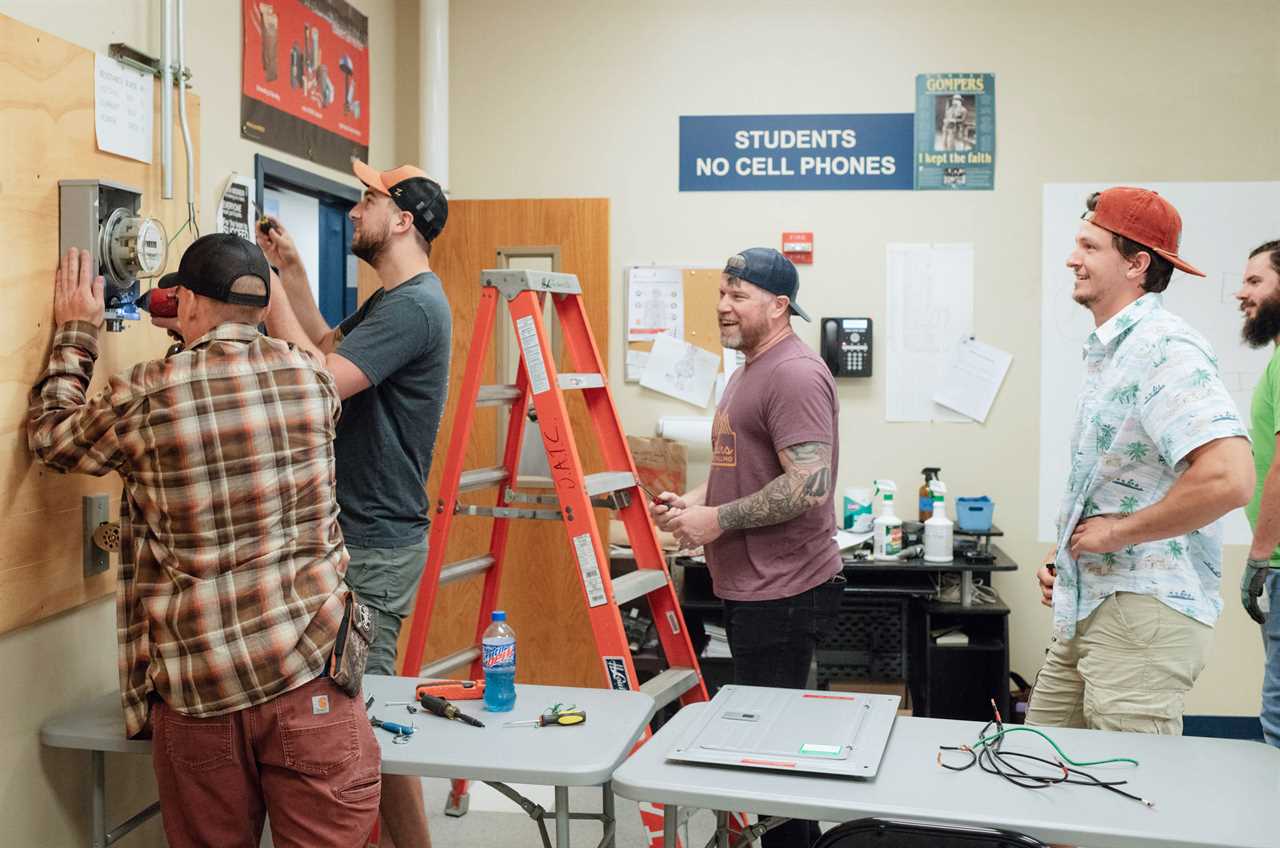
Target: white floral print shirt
{"type": "Point", "coordinates": [1152, 394]}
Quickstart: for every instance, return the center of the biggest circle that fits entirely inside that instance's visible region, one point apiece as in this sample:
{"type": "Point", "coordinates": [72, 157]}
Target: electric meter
{"type": "Point", "coordinates": [133, 247]}
{"type": "Point", "coordinates": [102, 218]}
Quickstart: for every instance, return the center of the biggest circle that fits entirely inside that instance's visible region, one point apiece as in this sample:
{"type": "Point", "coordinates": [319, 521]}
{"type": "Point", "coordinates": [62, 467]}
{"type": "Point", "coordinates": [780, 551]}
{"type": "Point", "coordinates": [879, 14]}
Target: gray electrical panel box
{"type": "Point", "coordinates": [103, 218]}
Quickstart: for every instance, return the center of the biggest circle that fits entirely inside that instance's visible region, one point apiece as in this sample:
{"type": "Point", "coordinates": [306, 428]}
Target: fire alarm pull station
{"type": "Point", "coordinates": [103, 218]}
{"type": "Point", "coordinates": [798, 247]}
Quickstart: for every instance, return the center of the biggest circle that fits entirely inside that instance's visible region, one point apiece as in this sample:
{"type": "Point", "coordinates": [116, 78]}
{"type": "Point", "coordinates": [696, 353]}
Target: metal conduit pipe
{"type": "Point", "coordinates": [182, 119]}
{"type": "Point", "coordinates": [166, 99]}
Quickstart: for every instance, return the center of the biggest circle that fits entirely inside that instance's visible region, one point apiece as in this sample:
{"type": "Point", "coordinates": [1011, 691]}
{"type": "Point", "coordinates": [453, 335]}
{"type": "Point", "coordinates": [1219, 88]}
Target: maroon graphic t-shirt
{"type": "Point", "coordinates": [784, 397]}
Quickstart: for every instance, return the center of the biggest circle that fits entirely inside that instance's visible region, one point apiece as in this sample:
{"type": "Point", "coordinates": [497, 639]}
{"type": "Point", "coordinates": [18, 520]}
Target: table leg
{"type": "Point", "coordinates": [722, 829]}
{"type": "Point", "coordinates": [606, 807]}
{"type": "Point", "coordinates": [670, 826]}
{"type": "Point", "coordinates": [562, 817]}
{"type": "Point", "coordinates": [98, 772]}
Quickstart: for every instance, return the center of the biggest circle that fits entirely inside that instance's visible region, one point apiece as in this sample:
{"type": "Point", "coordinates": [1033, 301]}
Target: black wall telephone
{"type": "Point", "coordinates": [846, 346]}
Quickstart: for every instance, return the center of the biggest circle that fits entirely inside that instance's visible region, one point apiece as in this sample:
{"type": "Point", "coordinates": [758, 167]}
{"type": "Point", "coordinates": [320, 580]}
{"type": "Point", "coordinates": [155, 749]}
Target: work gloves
{"type": "Point", "coordinates": [1252, 585]}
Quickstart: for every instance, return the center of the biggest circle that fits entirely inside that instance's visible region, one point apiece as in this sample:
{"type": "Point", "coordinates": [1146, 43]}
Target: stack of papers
{"type": "Point", "coordinates": [717, 643]}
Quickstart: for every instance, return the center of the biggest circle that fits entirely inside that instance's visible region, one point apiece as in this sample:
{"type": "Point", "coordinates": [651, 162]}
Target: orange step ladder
{"type": "Point", "coordinates": [538, 394]}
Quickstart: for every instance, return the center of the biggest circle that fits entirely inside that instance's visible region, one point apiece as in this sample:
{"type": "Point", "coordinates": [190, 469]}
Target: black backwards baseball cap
{"type": "Point", "coordinates": [411, 190]}
{"type": "Point", "coordinates": [770, 270]}
{"type": "Point", "coordinates": [212, 263]}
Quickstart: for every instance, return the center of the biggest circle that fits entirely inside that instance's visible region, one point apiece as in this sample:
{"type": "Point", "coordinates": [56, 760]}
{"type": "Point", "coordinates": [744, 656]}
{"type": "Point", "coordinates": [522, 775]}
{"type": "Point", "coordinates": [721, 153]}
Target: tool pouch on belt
{"type": "Point", "coordinates": [351, 650]}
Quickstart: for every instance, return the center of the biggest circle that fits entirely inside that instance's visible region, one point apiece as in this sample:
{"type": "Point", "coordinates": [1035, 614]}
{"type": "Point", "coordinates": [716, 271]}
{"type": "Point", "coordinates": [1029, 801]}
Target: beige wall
{"type": "Point", "coordinates": [564, 98]}
{"type": "Point", "coordinates": [50, 666]}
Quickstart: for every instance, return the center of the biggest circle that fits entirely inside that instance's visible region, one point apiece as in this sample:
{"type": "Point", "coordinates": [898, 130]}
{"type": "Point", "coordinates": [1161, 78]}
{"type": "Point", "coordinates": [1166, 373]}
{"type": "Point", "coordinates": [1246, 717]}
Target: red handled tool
{"type": "Point", "coordinates": [451, 690]}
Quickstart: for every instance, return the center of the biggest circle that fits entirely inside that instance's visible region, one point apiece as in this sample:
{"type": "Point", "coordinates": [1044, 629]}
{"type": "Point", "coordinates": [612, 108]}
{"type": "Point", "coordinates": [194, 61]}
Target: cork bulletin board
{"type": "Point", "coordinates": [701, 289]}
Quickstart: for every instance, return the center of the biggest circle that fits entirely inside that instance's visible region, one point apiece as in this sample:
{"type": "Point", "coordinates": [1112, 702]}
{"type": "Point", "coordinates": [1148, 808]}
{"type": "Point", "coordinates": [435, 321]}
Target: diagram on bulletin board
{"type": "Point", "coordinates": [673, 338]}
{"type": "Point", "coordinates": [1221, 223]}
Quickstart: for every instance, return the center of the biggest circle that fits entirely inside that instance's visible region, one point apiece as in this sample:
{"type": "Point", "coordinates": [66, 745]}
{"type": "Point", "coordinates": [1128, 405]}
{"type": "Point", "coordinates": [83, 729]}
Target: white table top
{"type": "Point", "coordinates": [95, 725]}
{"type": "Point", "coordinates": [583, 755]}
{"type": "Point", "coordinates": [1206, 791]}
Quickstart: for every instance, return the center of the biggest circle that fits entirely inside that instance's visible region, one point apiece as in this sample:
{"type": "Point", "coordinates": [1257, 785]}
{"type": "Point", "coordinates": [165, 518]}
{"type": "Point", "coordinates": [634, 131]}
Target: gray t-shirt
{"type": "Point", "coordinates": [400, 339]}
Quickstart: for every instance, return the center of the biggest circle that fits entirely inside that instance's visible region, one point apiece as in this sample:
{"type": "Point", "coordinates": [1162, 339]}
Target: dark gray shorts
{"type": "Point", "coordinates": [387, 580]}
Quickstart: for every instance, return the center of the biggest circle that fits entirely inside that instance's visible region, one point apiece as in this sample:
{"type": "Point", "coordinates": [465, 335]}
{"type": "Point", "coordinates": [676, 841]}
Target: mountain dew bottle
{"type": "Point", "coordinates": [498, 656]}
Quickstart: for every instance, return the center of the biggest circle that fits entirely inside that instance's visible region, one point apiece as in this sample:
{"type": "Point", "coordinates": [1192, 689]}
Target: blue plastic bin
{"type": "Point", "coordinates": [974, 514]}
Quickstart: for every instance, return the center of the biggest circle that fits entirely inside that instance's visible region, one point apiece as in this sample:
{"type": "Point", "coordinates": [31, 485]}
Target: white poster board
{"type": "Point", "coordinates": [929, 296]}
{"type": "Point", "coordinates": [1221, 223]}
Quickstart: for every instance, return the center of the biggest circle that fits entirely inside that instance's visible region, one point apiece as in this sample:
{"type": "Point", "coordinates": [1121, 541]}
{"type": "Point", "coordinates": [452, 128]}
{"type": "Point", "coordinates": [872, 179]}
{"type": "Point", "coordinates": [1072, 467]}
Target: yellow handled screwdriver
{"type": "Point", "coordinates": [556, 717]}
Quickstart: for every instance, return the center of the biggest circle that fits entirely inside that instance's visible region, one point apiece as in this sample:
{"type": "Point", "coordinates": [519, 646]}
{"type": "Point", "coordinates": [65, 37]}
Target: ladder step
{"type": "Point", "coordinates": [481, 478]}
{"type": "Point", "coordinates": [465, 568]}
{"type": "Point", "coordinates": [580, 381]}
{"type": "Point", "coordinates": [466, 655]}
{"type": "Point", "coordinates": [642, 581]}
{"type": "Point", "coordinates": [608, 481]}
{"type": "Point", "coordinates": [511, 282]}
{"type": "Point", "coordinates": [670, 685]}
{"type": "Point", "coordinates": [497, 395]}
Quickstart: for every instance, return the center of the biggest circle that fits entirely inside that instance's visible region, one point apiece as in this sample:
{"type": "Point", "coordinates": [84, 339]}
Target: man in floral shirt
{"type": "Point", "coordinates": [1158, 455]}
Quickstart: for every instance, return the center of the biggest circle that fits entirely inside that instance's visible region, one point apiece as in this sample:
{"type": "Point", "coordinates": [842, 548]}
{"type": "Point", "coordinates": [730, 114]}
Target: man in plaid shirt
{"type": "Point", "coordinates": [231, 591]}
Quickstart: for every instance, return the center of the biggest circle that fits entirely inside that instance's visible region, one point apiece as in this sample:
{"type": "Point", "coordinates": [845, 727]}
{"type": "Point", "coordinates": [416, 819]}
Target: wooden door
{"type": "Point", "coordinates": [541, 590]}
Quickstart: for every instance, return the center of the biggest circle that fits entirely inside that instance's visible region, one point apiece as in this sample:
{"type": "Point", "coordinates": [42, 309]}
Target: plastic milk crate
{"type": "Point", "coordinates": [868, 640]}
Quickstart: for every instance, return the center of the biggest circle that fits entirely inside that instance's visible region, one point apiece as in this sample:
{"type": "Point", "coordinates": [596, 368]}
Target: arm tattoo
{"type": "Point", "coordinates": [804, 483]}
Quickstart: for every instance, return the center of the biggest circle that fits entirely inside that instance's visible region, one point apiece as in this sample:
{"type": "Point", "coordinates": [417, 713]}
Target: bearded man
{"type": "Point", "coordinates": [390, 360]}
{"type": "Point", "coordinates": [1259, 298]}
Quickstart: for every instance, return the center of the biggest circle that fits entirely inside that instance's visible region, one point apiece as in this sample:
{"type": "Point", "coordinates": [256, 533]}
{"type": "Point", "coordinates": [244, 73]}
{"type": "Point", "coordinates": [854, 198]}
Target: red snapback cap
{"type": "Point", "coordinates": [1143, 216]}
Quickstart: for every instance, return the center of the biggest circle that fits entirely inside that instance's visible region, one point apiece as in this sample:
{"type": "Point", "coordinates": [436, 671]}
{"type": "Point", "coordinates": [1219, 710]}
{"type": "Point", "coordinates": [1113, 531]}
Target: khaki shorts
{"type": "Point", "coordinates": [1128, 668]}
{"type": "Point", "coordinates": [387, 580]}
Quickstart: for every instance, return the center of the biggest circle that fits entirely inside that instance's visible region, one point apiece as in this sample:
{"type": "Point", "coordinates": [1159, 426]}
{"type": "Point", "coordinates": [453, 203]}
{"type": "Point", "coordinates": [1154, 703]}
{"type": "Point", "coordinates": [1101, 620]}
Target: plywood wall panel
{"type": "Point", "coordinates": [46, 121]}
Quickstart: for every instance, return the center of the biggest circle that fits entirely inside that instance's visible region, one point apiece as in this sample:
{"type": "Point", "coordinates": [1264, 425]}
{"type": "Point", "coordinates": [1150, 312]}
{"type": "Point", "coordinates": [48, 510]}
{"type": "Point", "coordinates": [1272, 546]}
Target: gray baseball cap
{"type": "Point", "coordinates": [770, 270]}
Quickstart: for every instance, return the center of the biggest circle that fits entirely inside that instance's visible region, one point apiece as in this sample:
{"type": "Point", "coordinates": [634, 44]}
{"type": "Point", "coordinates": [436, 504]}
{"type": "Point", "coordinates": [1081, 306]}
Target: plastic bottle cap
{"type": "Point", "coordinates": [499, 615]}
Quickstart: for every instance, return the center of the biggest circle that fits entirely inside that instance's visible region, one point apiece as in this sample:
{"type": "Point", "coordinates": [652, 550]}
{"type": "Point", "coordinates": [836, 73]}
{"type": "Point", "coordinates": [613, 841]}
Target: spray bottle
{"type": "Point", "coordinates": [887, 530]}
{"type": "Point", "coordinates": [938, 530]}
{"type": "Point", "coordinates": [926, 492]}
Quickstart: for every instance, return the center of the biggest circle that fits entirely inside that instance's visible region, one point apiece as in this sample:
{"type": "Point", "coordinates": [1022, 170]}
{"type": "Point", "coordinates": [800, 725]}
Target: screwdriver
{"type": "Point", "coordinates": [398, 729]}
{"type": "Point", "coordinates": [558, 717]}
{"type": "Point", "coordinates": [444, 709]}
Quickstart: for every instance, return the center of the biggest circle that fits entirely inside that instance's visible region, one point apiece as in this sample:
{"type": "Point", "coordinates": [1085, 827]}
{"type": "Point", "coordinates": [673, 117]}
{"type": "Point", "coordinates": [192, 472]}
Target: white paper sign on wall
{"type": "Point", "coordinates": [122, 109]}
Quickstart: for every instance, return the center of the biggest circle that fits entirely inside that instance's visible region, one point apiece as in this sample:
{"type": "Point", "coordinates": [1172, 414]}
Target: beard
{"type": "Point", "coordinates": [744, 336]}
{"type": "Point", "coordinates": [1264, 326]}
{"type": "Point", "coordinates": [369, 245]}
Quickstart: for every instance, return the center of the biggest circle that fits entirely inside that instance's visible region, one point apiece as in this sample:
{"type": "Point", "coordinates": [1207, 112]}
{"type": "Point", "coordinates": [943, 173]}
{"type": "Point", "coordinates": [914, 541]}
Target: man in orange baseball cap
{"type": "Point", "coordinates": [391, 362]}
{"type": "Point", "coordinates": [1158, 455]}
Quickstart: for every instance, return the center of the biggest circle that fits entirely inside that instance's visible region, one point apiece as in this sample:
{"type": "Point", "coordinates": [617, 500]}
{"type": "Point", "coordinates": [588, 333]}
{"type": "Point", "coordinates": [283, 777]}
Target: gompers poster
{"type": "Point", "coordinates": [306, 79]}
{"type": "Point", "coordinates": [955, 131]}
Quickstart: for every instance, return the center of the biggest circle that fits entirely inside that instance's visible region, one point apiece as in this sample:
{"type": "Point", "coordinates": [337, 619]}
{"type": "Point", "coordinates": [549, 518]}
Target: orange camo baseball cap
{"type": "Point", "coordinates": [1143, 216]}
{"type": "Point", "coordinates": [411, 190]}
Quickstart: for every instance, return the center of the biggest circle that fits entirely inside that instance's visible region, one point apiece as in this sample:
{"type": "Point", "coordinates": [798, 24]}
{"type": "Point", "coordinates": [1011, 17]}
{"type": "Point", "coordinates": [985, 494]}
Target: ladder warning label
{"type": "Point", "coordinates": [533, 356]}
{"type": "Point", "coordinates": [590, 570]}
{"type": "Point", "coordinates": [673, 622]}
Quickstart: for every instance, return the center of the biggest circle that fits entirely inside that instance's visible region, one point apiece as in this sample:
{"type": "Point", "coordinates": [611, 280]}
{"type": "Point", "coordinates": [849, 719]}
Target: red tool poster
{"type": "Point", "coordinates": [306, 79]}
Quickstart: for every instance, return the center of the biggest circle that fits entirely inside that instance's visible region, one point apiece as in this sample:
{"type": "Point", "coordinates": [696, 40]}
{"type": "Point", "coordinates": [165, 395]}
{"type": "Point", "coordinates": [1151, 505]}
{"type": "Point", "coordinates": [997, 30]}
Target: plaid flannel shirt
{"type": "Point", "coordinates": [230, 589]}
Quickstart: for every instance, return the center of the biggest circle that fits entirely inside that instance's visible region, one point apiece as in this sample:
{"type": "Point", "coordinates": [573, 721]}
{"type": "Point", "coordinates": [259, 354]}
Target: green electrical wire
{"type": "Point", "coordinates": [174, 237]}
{"type": "Point", "coordinates": [987, 740]}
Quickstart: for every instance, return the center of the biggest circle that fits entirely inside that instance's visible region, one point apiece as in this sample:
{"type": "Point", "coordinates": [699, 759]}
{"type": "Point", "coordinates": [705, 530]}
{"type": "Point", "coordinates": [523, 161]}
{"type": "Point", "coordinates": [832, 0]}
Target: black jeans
{"type": "Point", "coordinates": [772, 643]}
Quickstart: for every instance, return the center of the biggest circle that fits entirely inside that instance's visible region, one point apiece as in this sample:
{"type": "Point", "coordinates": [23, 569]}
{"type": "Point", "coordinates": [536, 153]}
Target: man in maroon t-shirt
{"type": "Point", "coordinates": [765, 515]}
